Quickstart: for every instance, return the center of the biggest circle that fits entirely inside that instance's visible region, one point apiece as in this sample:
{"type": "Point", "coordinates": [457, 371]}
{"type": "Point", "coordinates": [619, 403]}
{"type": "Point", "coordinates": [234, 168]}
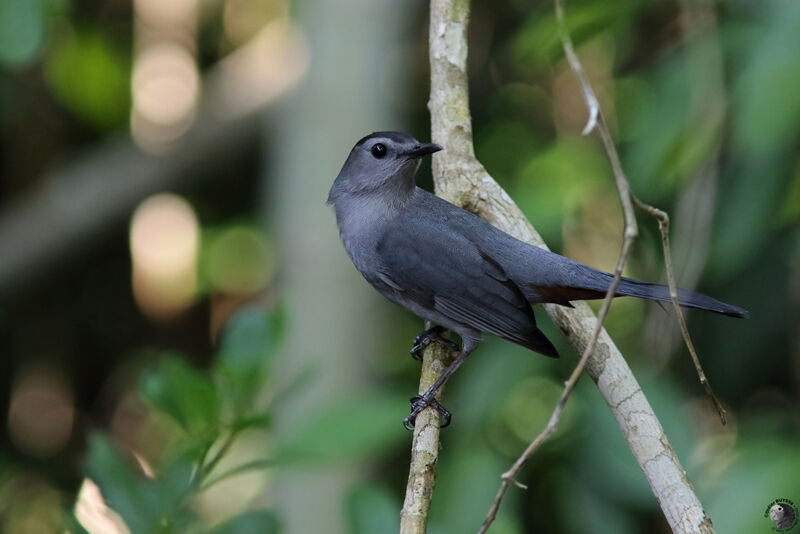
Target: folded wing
{"type": "Point", "coordinates": [451, 274]}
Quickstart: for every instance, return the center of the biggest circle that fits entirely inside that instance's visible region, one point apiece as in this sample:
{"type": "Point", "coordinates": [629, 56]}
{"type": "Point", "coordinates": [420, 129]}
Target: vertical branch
{"type": "Point", "coordinates": [424, 447]}
{"type": "Point", "coordinates": [461, 179]}
{"type": "Point", "coordinates": [448, 90]}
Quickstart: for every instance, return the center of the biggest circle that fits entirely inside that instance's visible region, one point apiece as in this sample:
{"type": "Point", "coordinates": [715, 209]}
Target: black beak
{"type": "Point", "coordinates": [423, 150]}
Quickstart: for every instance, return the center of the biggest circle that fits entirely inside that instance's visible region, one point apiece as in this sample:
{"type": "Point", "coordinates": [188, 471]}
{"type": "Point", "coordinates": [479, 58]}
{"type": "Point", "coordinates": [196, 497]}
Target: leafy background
{"type": "Point", "coordinates": [268, 396]}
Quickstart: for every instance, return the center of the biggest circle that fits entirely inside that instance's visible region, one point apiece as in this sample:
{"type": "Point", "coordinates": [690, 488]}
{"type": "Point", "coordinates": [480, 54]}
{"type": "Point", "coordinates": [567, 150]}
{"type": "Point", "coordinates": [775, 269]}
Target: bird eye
{"type": "Point", "coordinates": [378, 150]}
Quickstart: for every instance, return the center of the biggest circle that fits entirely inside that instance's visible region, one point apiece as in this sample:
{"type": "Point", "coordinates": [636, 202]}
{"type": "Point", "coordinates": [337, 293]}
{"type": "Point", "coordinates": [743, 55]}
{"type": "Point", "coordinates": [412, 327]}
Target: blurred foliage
{"type": "Point", "coordinates": [22, 28]}
{"type": "Point", "coordinates": [372, 508]}
{"type": "Point", "coordinates": [349, 430]}
{"type": "Point", "coordinates": [89, 75]}
{"type": "Point", "coordinates": [702, 97]}
{"type": "Point", "coordinates": [212, 409]}
{"type": "Point", "coordinates": [237, 259]}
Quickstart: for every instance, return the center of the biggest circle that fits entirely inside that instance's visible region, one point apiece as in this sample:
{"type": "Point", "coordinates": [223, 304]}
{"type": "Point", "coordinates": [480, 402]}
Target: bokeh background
{"type": "Point", "coordinates": [172, 287]}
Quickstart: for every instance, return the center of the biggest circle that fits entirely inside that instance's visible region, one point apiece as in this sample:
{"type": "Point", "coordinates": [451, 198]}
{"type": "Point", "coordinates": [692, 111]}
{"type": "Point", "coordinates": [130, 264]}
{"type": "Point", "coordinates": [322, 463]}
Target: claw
{"type": "Point", "coordinates": [445, 413]}
{"type": "Point", "coordinates": [408, 423]}
{"type": "Point", "coordinates": [416, 350]}
{"type": "Point", "coordinates": [418, 403]}
{"type": "Point", "coordinates": [427, 337]}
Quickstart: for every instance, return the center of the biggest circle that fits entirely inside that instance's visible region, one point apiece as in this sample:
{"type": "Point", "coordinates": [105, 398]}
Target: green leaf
{"type": "Point", "coordinates": [124, 491]}
{"type": "Point", "coordinates": [146, 505]}
{"type": "Point", "coordinates": [253, 522]}
{"type": "Point", "coordinates": [251, 337]}
{"type": "Point", "coordinates": [253, 421]}
{"type": "Point", "coordinates": [185, 394]}
{"type": "Point", "coordinates": [371, 508]}
{"type": "Point", "coordinates": [174, 484]}
{"type": "Point", "coordinates": [348, 429]}
{"type": "Point", "coordinates": [21, 31]}
{"type": "Point", "coordinates": [247, 347]}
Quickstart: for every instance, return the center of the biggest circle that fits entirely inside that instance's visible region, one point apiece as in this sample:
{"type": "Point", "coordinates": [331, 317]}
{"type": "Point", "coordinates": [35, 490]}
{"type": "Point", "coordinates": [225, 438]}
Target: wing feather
{"type": "Point", "coordinates": [461, 281]}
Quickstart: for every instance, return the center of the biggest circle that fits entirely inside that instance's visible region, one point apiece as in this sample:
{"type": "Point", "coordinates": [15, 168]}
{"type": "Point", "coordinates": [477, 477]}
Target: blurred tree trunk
{"type": "Point", "coordinates": [353, 85]}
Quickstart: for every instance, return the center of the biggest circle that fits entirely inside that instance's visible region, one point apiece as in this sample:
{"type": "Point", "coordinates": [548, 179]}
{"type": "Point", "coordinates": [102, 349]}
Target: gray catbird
{"type": "Point", "coordinates": [451, 267]}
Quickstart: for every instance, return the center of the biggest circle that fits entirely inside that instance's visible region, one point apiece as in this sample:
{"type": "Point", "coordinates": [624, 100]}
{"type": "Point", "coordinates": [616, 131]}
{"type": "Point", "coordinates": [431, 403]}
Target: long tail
{"type": "Point", "coordinates": [582, 282]}
{"type": "Point", "coordinates": [646, 290]}
{"type": "Point", "coordinates": [544, 276]}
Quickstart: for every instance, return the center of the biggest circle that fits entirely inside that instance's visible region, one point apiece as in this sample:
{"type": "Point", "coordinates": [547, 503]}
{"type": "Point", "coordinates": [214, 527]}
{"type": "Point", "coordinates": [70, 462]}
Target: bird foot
{"type": "Point", "coordinates": [419, 403]}
{"type": "Point", "coordinates": [427, 337]}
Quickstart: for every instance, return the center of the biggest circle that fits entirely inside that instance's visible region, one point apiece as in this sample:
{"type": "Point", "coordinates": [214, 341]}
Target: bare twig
{"type": "Point", "coordinates": [509, 476]}
{"type": "Point", "coordinates": [460, 178]}
{"type": "Point", "coordinates": [705, 118]}
{"type": "Point", "coordinates": [596, 120]}
{"type": "Point", "coordinates": [588, 94]}
{"type": "Point", "coordinates": [663, 227]}
{"type": "Point", "coordinates": [627, 199]}
{"type": "Point", "coordinates": [714, 116]}
{"type": "Point", "coordinates": [424, 447]}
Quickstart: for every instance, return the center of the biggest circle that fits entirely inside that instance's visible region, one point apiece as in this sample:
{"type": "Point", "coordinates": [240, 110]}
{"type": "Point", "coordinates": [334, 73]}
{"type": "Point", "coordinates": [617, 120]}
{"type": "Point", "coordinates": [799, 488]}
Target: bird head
{"type": "Point", "coordinates": [382, 163]}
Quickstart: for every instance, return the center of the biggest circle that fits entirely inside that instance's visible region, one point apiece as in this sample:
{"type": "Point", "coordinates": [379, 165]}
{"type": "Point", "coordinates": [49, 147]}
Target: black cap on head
{"type": "Point", "coordinates": [383, 163]}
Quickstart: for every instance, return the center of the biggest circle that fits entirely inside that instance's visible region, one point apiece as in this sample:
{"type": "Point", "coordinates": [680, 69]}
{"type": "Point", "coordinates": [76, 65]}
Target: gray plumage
{"type": "Point", "coordinates": [453, 268]}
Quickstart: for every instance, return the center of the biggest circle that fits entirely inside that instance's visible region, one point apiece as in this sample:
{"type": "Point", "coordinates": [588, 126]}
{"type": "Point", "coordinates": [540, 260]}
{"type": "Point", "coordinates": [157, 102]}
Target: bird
{"type": "Point", "coordinates": [452, 268]}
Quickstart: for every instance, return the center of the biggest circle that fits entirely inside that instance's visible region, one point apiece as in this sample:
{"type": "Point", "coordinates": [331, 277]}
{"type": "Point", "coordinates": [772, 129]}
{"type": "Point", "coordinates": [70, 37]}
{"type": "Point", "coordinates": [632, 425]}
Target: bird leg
{"type": "Point", "coordinates": [420, 402]}
{"type": "Point", "coordinates": [427, 337]}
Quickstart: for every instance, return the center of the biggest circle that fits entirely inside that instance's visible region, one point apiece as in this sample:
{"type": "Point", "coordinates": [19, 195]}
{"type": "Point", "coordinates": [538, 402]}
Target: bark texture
{"type": "Point", "coordinates": [425, 448]}
{"type": "Point", "coordinates": [461, 179]}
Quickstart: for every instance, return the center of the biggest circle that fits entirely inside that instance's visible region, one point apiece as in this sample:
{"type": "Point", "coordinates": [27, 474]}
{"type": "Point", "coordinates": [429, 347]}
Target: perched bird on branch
{"type": "Point", "coordinates": [452, 268]}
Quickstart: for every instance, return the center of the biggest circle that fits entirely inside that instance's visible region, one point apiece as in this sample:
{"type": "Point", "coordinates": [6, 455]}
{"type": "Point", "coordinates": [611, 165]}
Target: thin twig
{"type": "Point", "coordinates": [663, 227]}
{"type": "Point", "coordinates": [207, 469]}
{"type": "Point", "coordinates": [509, 476]}
{"type": "Point", "coordinates": [460, 178]}
{"type": "Point", "coordinates": [596, 119]}
{"type": "Point", "coordinates": [263, 463]}
{"type": "Point", "coordinates": [197, 473]}
{"type": "Point", "coordinates": [706, 118]}
{"type": "Point", "coordinates": [569, 50]}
